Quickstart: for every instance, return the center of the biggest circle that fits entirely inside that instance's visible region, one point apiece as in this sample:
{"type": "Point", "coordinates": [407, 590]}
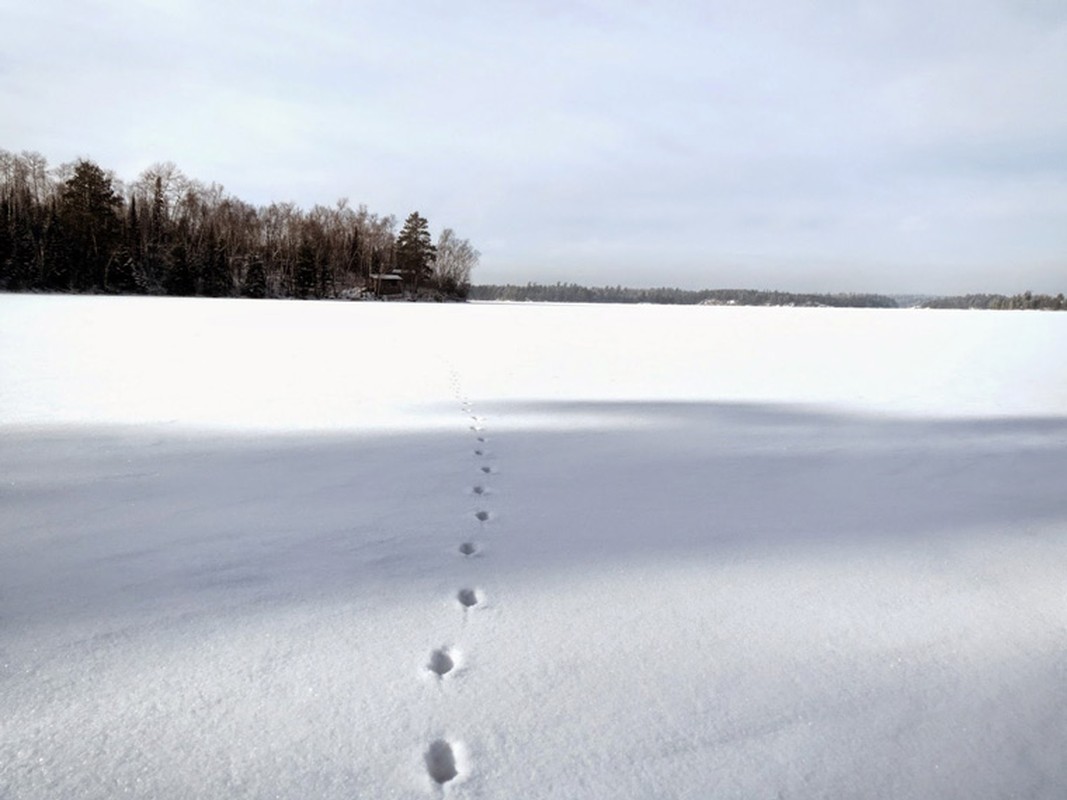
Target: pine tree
{"type": "Point", "coordinates": [133, 231]}
{"type": "Point", "coordinates": [255, 283]}
{"type": "Point", "coordinates": [55, 268]}
{"type": "Point", "coordinates": [88, 208]}
{"type": "Point", "coordinates": [215, 278]}
{"type": "Point", "coordinates": [127, 262]}
{"type": "Point", "coordinates": [7, 246]}
{"type": "Point", "coordinates": [307, 273]}
{"type": "Point", "coordinates": [415, 252]}
{"type": "Point", "coordinates": [156, 263]}
{"type": "Point", "coordinates": [181, 279]}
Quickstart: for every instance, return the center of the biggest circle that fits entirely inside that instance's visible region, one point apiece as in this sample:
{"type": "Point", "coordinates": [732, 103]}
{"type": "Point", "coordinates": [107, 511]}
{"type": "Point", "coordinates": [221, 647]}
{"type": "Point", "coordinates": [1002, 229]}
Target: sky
{"type": "Point", "coordinates": [828, 145]}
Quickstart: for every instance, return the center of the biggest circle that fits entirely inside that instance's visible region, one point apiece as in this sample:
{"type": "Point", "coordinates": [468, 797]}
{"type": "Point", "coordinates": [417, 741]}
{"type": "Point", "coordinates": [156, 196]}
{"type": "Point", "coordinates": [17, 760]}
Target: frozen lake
{"type": "Point", "coordinates": [333, 550]}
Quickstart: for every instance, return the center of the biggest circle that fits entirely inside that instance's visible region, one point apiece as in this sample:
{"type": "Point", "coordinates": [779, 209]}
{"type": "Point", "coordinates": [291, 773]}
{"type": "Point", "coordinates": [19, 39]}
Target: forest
{"type": "Point", "coordinates": [79, 228]}
{"type": "Point", "coordinates": [1024, 301]}
{"type": "Point", "coordinates": [573, 293]}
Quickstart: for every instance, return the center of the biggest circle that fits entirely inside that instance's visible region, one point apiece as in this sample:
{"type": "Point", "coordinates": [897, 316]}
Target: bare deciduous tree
{"type": "Point", "coordinates": [455, 260]}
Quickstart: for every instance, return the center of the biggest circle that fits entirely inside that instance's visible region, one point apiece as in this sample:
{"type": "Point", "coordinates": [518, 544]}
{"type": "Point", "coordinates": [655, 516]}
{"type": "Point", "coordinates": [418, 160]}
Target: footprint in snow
{"type": "Point", "coordinates": [441, 762]}
{"type": "Point", "coordinates": [441, 662]}
{"type": "Point", "coordinates": [468, 598]}
{"type": "Point", "coordinates": [468, 548]}
{"type": "Point", "coordinates": [479, 452]}
{"type": "Point", "coordinates": [487, 470]}
{"type": "Point", "coordinates": [478, 490]}
{"type": "Point", "coordinates": [481, 516]}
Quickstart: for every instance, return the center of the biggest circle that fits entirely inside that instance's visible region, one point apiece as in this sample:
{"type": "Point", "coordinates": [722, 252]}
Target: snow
{"type": "Point", "coordinates": [726, 552]}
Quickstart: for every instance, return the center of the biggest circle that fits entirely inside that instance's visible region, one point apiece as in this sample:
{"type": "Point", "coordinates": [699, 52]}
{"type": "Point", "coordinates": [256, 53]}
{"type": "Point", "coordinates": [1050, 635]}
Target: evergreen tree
{"type": "Point", "coordinates": [133, 231]}
{"type": "Point", "coordinates": [56, 264]}
{"type": "Point", "coordinates": [215, 278]}
{"type": "Point", "coordinates": [255, 283]}
{"type": "Point", "coordinates": [415, 252]}
{"type": "Point", "coordinates": [21, 240]}
{"type": "Point", "coordinates": [181, 279]}
{"type": "Point", "coordinates": [7, 246]}
{"type": "Point", "coordinates": [157, 220]}
{"type": "Point", "coordinates": [88, 209]}
{"type": "Point", "coordinates": [125, 264]}
{"type": "Point", "coordinates": [307, 278]}
{"type": "Point", "coordinates": [155, 264]}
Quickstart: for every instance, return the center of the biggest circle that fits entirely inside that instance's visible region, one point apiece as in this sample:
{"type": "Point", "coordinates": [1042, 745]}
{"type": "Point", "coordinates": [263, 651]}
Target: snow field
{"type": "Point", "coordinates": [331, 367]}
{"type": "Point", "coordinates": [395, 551]}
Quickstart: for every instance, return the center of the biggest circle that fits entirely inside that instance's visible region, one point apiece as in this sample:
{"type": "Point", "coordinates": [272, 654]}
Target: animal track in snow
{"type": "Point", "coordinates": [478, 490]}
{"type": "Point", "coordinates": [482, 439]}
{"type": "Point", "coordinates": [441, 662]}
{"type": "Point", "coordinates": [481, 516]}
{"type": "Point", "coordinates": [468, 598]}
{"type": "Point", "coordinates": [441, 762]}
{"type": "Point", "coordinates": [486, 470]}
{"type": "Point", "coordinates": [479, 452]}
{"type": "Point", "coordinates": [468, 548]}
{"type": "Point", "coordinates": [477, 428]}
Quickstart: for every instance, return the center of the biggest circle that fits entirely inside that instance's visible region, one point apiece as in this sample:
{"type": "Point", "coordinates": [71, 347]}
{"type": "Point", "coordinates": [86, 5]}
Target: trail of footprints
{"type": "Point", "coordinates": [440, 757]}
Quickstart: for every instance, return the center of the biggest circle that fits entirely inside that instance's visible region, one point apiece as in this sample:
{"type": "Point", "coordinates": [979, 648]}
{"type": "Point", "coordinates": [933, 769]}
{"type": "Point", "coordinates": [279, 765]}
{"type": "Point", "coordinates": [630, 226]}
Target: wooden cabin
{"type": "Point", "coordinates": [385, 284]}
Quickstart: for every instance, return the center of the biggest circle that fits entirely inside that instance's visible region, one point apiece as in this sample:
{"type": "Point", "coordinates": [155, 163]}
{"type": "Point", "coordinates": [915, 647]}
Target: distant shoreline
{"type": "Point", "coordinates": [574, 293]}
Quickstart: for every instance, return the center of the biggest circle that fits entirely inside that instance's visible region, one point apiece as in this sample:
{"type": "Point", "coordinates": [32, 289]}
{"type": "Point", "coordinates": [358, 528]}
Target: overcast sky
{"type": "Point", "coordinates": [834, 145]}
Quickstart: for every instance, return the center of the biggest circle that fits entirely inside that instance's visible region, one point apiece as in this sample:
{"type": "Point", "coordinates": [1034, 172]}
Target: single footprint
{"type": "Point", "coordinates": [481, 516]}
{"type": "Point", "coordinates": [441, 662]}
{"type": "Point", "coordinates": [441, 762]}
{"type": "Point", "coordinates": [482, 439]}
{"type": "Point", "coordinates": [468, 548]}
{"type": "Point", "coordinates": [486, 470]}
{"type": "Point", "coordinates": [468, 598]}
{"type": "Point", "coordinates": [478, 490]}
{"type": "Point", "coordinates": [479, 452]}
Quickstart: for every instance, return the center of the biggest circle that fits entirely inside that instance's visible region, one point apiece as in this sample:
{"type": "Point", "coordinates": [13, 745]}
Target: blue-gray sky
{"type": "Point", "coordinates": [825, 145]}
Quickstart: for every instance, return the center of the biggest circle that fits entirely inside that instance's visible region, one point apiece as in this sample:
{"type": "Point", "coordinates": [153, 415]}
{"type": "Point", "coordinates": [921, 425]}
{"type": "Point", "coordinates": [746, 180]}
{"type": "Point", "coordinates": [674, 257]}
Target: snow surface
{"type": "Point", "coordinates": [725, 552]}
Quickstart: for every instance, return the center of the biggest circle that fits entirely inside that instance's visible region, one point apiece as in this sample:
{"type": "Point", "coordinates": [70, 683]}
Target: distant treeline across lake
{"type": "Point", "coordinates": [573, 293]}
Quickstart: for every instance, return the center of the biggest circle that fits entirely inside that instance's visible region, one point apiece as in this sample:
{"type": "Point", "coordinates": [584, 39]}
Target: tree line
{"type": "Point", "coordinates": [573, 293]}
{"type": "Point", "coordinates": [78, 228]}
{"type": "Point", "coordinates": [1024, 301]}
